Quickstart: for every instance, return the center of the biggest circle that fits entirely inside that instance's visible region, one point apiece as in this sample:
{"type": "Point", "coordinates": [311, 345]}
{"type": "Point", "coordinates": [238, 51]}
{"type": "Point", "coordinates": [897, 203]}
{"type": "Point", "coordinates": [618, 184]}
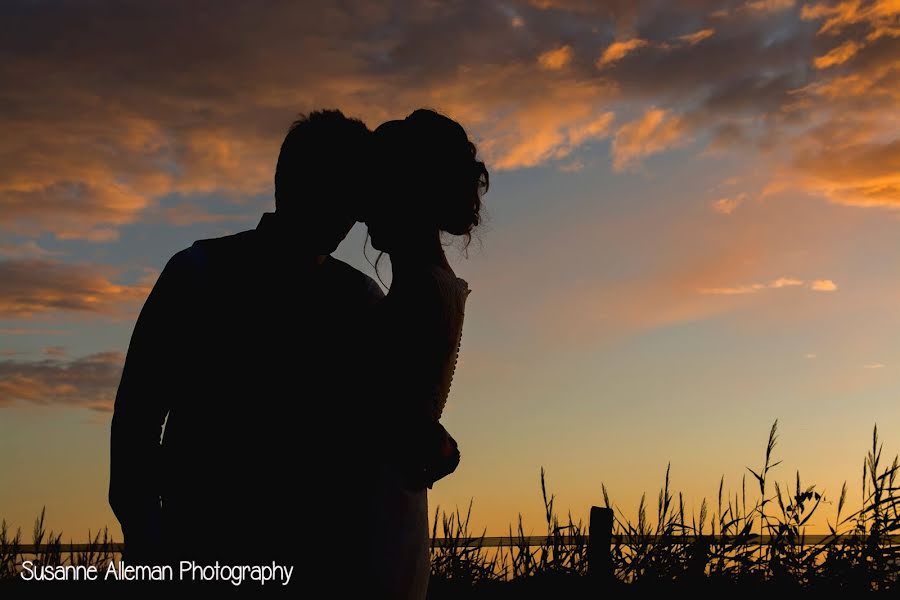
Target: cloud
{"type": "Point", "coordinates": [823, 285]}
{"type": "Point", "coordinates": [34, 286]}
{"type": "Point", "coordinates": [837, 56]}
{"type": "Point", "coordinates": [191, 214]}
{"type": "Point", "coordinates": [726, 206]}
{"type": "Point", "coordinates": [655, 131]}
{"type": "Point", "coordinates": [785, 282]}
{"type": "Point", "coordinates": [26, 249]}
{"type": "Point", "coordinates": [619, 50]}
{"type": "Point", "coordinates": [215, 125]}
{"type": "Point", "coordinates": [87, 151]}
{"type": "Point", "coordinates": [32, 331]}
{"type": "Point", "coordinates": [817, 285]}
{"type": "Point", "coordinates": [861, 174]}
{"type": "Point", "coordinates": [543, 133]}
{"type": "Point", "coordinates": [54, 351]}
{"type": "Point", "coordinates": [765, 6]}
{"type": "Point", "coordinates": [734, 290]}
{"type": "Point", "coordinates": [877, 365]}
{"type": "Point", "coordinates": [556, 59]}
{"type": "Point", "coordinates": [697, 36]}
{"type": "Point", "coordinates": [88, 382]}
{"type": "Point", "coordinates": [879, 15]}
{"type": "Point", "coordinates": [80, 167]}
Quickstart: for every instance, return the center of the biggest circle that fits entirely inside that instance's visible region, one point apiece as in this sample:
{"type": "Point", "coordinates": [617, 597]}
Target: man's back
{"type": "Point", "coordinates": [253, 355]}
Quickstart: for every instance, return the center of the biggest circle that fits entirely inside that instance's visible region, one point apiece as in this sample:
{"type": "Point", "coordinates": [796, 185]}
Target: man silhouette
{"type": "Point", "coordinates": [242, 370]}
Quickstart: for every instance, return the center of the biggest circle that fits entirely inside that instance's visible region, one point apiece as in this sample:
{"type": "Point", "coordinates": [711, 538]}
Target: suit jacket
{"type": "Point", "coordinates": [235, 420]}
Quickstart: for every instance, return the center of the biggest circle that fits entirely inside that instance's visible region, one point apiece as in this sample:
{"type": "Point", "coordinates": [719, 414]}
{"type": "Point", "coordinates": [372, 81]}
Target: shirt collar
{"type": "Point", "coordinates": [268, 223]}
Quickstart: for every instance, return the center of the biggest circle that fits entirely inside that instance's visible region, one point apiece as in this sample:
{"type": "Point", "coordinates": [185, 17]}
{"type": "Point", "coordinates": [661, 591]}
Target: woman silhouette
{"type": "Point", "coordinates": [429, 182]}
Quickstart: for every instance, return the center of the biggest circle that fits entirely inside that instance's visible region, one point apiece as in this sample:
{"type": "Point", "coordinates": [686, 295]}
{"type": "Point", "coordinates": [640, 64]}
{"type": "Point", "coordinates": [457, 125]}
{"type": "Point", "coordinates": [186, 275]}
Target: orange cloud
{"type": "Point", "coordinates": [817, 285]}
{"type": "Point", "coordinates": [837, 56]}
{"type": "Point", "coordinates": [188, 214]}
{"type": "Point", "coordinates": [785, 282]}
{"type": "Point", "coordinates": [87, 152]}
{"type": "Point", "coordinates": [726, 206]}
{"type": "Point", "coordinates": [697, 36]}
{"type": "Point", "coordinates": [556, 59]}
{"type": "Point", "coordinates": [875, 83]}
{"type": "Point", "coordinates": [549, 120]}
{"type": "Point", "coordinates": [32, 331]}
{"type": "Point", "coordinates": [575, 6]}
{"type": "Point", "coordinates": [88, 382]}
{"type": "Point", "coordinates": [27, 249]}
{"type": "Point", "coordinates": [79, 168]}
{"type": "Point", "coordinates": [863, 174]}
{"type": "Point", "coordinates": [33, 286]}
{"type": "Point", "coordinates": [551, 137]}
{"type": "Point", "coordinates": [881, 18]}
{"type": "Point", "coordinates": [619, 50]}
{"type": "Point", "coordinates": [765, 6]}
{"type": "Point", "coordinates": [734, 290]}
{"type": "Point", "coordinates": [879, 15]}
{"type": "Point", "coordinates": [823, 285]}
{"type": "Point", "coordinates": [655, 131]}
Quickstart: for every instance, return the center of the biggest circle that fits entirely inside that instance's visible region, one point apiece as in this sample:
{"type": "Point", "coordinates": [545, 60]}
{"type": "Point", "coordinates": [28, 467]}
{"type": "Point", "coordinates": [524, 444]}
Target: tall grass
{"type": "Point", "coordinates": [716, 547]}
{"type": "Point", "coordinates": [47, 549]}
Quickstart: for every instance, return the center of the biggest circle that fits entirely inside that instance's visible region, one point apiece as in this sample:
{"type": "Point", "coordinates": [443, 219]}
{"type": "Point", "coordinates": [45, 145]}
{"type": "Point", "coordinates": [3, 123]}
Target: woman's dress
{"type": "Point", "coordinates": [420, 325]}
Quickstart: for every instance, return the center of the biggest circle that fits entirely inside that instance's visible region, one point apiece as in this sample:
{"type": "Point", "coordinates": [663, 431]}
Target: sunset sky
{"type": "Point", "coordinates": [693, 225]}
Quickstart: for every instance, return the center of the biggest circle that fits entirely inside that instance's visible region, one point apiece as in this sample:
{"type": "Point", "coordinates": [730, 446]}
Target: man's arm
{"type": "Point", "coordinates": [140, 411]}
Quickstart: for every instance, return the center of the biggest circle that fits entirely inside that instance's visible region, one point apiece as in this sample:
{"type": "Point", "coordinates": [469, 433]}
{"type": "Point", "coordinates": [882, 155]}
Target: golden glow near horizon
{"type": "Point", "coordinates": [692, 226]}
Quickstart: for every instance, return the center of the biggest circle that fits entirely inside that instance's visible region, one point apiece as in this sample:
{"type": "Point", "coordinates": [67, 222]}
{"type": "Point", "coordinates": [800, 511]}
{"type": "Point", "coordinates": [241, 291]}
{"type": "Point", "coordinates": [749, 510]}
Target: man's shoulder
{"type": "Point", "coordinates": [356, 278]}
{"type": "Point", "coordinates": [205, 253]}
{"type": "Point", "coordinates": [223, 246]}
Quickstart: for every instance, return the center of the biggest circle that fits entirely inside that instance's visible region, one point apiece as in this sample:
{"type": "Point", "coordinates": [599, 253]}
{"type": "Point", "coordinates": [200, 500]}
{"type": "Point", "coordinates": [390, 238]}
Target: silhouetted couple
{"type": "Point", "coordinates": [275, 404]}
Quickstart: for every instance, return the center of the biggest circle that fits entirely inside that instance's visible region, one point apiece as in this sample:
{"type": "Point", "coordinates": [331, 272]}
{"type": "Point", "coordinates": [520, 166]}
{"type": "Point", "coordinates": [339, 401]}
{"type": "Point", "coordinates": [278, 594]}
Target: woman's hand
{"type": "Point", "coordinates": [433, 456]}
{"type": "Point", "coordinates": [446, 458]}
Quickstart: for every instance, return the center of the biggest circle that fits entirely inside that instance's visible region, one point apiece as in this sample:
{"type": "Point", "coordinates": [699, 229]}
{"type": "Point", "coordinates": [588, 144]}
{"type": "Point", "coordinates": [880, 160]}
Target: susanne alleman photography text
{"type": "Point", "coordinates": [186, 571]}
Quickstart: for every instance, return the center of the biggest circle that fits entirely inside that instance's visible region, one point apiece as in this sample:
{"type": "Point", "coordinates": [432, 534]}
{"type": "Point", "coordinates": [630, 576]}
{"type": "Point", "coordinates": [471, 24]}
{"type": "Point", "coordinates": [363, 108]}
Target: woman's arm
{"type": "Point", "coordinates": [414, 324]}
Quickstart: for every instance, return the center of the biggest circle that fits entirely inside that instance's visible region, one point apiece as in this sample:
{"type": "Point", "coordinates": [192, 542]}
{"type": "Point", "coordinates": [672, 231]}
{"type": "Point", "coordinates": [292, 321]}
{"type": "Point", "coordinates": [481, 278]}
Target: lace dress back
{"type": "Point", "coordinates": [455, 291]}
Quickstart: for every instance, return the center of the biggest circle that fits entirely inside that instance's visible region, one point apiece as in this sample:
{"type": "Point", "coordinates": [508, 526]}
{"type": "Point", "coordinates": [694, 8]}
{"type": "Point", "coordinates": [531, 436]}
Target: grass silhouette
{"type": "Point", "coordinates": [753, 540]}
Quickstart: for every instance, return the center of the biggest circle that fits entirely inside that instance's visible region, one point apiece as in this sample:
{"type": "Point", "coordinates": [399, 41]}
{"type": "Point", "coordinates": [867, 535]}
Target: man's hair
{"type": "Point", "coordinates": [316, 152]}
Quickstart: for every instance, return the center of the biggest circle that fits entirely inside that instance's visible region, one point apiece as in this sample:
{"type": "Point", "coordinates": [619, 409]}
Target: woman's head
{"type": "Point", "coordinates": [429, 180]}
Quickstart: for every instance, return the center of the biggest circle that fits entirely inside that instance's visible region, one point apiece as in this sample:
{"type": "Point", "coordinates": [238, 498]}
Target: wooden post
{"type": "Point", "coordinates": [599, 552]}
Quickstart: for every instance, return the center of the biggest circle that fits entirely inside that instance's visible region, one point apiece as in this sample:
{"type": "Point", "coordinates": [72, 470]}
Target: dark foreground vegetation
{"type": "Point", "coordinates": [754, 541]}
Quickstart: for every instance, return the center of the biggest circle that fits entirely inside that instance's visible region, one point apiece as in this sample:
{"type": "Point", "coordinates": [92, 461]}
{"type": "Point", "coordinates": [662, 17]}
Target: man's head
{"type": "Point", "coordinates": [320, 177]}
